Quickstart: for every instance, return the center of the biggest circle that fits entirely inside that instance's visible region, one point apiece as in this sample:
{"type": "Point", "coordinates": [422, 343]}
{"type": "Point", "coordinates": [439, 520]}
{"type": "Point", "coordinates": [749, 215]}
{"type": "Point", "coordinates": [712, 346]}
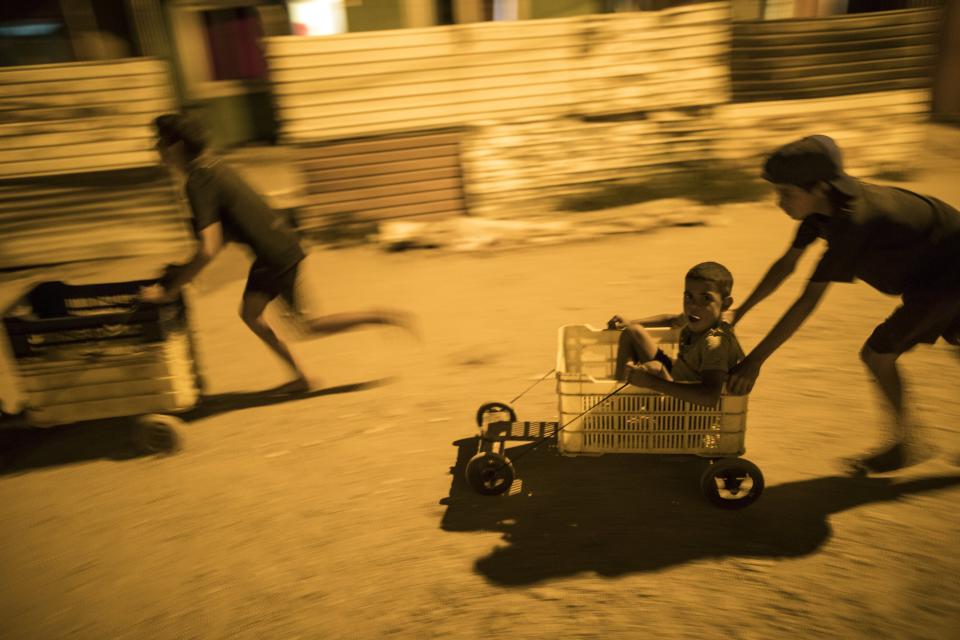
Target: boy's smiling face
{"type": "Point", "coordinates": [703, 304]}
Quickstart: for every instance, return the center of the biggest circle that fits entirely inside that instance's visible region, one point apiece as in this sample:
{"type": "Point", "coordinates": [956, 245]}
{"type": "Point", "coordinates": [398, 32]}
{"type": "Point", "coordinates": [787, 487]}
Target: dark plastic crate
{"type": "Point", "coordinates": [54, 315]}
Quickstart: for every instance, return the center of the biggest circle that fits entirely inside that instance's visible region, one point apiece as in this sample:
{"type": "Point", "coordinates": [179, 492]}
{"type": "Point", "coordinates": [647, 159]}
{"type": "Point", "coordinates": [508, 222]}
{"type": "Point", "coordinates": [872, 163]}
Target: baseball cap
{"type": "Point", "coordinates": [807, 161]}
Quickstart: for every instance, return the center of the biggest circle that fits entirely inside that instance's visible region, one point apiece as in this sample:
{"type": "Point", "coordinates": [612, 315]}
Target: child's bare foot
{"type": "Point", "coordinates": [899, 455]}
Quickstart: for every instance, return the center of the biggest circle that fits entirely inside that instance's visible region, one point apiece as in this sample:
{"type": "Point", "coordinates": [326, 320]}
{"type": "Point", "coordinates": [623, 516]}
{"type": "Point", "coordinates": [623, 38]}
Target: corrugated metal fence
{"type": "Point", "coordinates": [834, 55]}
{"type": "Point", "coordinates": [864, 78]}
{"type": "Point", "coordinates": [376, 178]}
{"type": "Point", "coordinates": [85, 116]}
{"type": "Point", "coordinates": [481, 117]}
{"type": "Point", "coordinates": [89, 216]}
{"type": "Point", "coordinates": [536, 110]}
{"type": "Point", "coordinates": [369, 87]}
{"type": "Point", "coordinates": [78, 172]}
{"type": "Point", "coordinates": [416, 79]}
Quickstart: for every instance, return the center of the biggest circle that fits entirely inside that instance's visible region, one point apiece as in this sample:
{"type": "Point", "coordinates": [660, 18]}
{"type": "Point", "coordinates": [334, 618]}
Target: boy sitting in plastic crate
{"type": "Point", "coordinates": [707, 347]}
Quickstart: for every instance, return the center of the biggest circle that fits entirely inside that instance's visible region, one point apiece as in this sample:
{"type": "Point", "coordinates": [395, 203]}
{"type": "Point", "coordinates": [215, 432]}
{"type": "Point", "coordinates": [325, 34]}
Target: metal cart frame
{"type": "Point", "coordinates": [599, 415]}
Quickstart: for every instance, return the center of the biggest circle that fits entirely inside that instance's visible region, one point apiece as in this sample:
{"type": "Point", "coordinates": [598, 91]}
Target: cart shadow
{"type": "Point", "coordinates": [24, 448]}
{"type": "Point", "coordinates": [616, 515]}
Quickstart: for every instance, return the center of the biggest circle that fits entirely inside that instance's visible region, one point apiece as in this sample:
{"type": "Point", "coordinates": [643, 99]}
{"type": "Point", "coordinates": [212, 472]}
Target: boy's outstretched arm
{"type": "Point", "coordinates": [211, 241]}
{"type": "Point", "coordinates": [662, 320]}
{"type": "Point", "coordinates": [744, 375]}
{"type": "Point", "coordinates": [779, 271]}
{"type": "Point", "coordinates": [209, 244]}
{"type": "Point", "coordinates": [705, 393]}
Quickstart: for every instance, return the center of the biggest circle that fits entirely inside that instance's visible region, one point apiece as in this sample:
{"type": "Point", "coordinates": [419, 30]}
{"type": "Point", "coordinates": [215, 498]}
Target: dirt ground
{"type": "Point", "coordinates": [344, 514]}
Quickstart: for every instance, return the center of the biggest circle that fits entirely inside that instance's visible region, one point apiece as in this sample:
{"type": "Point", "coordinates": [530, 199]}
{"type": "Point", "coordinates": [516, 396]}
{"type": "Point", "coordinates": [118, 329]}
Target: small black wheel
{"type": "Point", "coordinates": [732, 483]}
{"type": "Point", "coordinates": [495, 407]}
{"type": "Point", "coordinates": [489, 473]}
{"type": "Point", "coordinates": [157, 433]}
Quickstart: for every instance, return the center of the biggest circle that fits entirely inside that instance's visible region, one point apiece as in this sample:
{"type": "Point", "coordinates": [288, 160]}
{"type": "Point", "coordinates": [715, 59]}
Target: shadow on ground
{"type": "Point", "coordinates": [225, 402]}
{"type": "Point", "coordinates": [622, 514]}
{"type": "Point", "coordinates": [23, 448]}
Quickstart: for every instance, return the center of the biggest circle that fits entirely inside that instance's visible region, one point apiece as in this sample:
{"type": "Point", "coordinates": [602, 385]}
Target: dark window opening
{"type": "Point", "coordinates": [234, 39]}
{"type": "Point", "coordinates": [444, 10]}
{"type": "Point", "coordinates": [33, 33]}
{"type": "Point", "coordinates": [111, 16]}
{"type": "Point", "coordinates": [488, 6]}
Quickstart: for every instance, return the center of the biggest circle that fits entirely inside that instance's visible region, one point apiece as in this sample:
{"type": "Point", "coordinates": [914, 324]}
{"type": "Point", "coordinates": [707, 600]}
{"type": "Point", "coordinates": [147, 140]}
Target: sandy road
{"type": "Point", "coordinates": [336, 516]}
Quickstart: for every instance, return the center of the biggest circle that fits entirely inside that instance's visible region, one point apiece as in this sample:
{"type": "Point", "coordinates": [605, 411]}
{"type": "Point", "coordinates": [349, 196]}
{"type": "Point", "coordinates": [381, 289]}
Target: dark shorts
{"type": "Point", "coordinates": [266, 280]}
{"type": "Point", "coordinates": [664, 359]}
{"type": "Point", "coordinates": [922, 317]}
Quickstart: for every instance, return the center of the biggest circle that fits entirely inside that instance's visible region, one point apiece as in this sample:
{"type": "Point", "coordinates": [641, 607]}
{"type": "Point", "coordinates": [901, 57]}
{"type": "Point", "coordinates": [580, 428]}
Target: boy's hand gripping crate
{"type": "Point", "coordinates": [92, 352]}
{"type": "Point", "coordinates": [597, 416]}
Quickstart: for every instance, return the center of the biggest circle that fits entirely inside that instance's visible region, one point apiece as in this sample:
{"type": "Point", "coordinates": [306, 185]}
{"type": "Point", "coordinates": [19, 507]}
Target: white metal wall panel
{"type": "Point", "coordinates": [420, 79]}
{"type": "Point", "coordinates": [84, 116]}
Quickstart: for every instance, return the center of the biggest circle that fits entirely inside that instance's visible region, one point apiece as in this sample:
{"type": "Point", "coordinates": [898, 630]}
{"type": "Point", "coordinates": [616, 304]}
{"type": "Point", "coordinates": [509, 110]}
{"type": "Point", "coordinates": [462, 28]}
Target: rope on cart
{"type": "Point", "coordinates": [545, 376]}
{"type": "Point", "coordinates": [565, 425]}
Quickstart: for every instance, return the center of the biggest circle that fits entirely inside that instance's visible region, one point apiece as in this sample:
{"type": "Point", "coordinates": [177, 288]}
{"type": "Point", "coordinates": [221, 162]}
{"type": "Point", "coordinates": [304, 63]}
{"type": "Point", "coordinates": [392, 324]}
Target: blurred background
{"type": "Point", "coordinates": [359, 111]}
{"type": "Point", "coordinates": [564, 160]}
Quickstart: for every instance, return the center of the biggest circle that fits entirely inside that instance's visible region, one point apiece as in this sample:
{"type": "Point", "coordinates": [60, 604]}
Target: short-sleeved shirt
{"type": "Point", "coordinates": [715, 349]}
{"type": "Point", "coordinates": [892, 239]}
{"type": "Point", "coordinates": [218, 194]}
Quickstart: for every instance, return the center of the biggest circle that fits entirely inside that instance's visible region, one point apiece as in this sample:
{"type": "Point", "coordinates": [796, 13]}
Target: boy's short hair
{"type": "Point", "coordinates": [806, 162]}
{"type": "Point", "coordinates": [178, 127]}
{"type": "Point", "coordinates": [714, 273]}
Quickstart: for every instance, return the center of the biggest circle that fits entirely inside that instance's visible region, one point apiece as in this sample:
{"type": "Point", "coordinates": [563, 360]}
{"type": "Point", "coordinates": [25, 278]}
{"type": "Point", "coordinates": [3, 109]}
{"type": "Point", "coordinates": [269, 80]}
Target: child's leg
{"type": "Point", "coordinates": [636, 346]}
{"type": "Point", "coordinates": [883, 366]}
{"type": "Point", "coordinates": [301, 299]}
{"type": "Point", "coordinates": [251, 311]}
{"type": "Point", "coordinates": [906, 449]}
{"type": "Point", "coordinates": [921, 318]}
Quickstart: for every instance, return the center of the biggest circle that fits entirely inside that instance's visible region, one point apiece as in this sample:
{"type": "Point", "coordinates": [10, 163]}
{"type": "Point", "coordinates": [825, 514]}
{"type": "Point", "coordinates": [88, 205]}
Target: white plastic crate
{"type": "Point", "coordinates": [91, 384]}
{"type": "Point", "coordinates": [635, 420]}
{"type": "Point", "coordinates": [88, 352]}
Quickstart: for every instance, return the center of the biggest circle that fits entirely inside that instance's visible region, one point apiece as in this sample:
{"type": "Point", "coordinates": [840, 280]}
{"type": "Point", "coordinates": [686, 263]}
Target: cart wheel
{"type": "Point", "coordinates": [157, 433]}
{"type": "Point", "coordinates": [732, 483]}
{"type": "Point", "coordinates": [495, 407]}
{"type": "Point", "coordinates": [489, 473]}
